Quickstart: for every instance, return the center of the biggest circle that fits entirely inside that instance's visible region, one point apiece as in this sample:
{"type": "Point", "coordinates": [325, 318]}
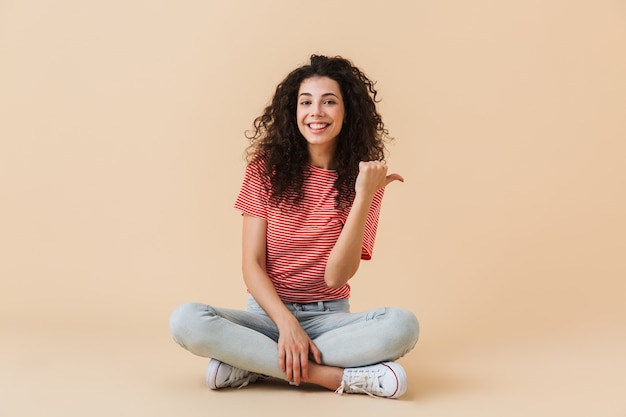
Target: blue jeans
{"type": "Point", "coordinates": [248, 339]}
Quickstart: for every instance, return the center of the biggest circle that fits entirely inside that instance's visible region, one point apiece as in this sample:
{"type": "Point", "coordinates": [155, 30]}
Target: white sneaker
{"type": "Point", "coordinates": [387, 379]}
{"type": "Point", "coordinates": [221, 375]}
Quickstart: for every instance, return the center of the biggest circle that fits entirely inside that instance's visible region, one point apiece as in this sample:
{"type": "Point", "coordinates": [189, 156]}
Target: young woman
{"type": "Point", "coordinates": [310, 200]}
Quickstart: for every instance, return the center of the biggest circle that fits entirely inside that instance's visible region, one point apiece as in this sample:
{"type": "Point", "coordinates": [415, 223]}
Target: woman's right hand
{"type": "Point", "coordinates": [294, 347]}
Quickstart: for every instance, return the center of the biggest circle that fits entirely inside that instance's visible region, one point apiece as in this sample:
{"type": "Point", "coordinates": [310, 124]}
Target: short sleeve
{"type": "Point", "coordinates": [371, 225]}
{"type": "Point", "coordinates": [254, 194]}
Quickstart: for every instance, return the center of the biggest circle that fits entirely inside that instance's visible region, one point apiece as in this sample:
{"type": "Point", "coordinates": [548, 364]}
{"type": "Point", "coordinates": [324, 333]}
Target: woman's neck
{"type": "Point", "coordinates": [322, 158]}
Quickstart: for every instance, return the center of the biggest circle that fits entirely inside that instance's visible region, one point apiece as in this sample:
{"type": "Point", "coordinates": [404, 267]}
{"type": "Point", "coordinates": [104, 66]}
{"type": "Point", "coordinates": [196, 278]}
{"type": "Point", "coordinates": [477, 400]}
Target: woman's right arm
{"type": "Point", "coordinates": [293, 343]}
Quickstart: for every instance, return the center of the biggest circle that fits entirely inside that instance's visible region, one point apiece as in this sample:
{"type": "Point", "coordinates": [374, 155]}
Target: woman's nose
{"type": "Point", "coordinates": [317, 110]}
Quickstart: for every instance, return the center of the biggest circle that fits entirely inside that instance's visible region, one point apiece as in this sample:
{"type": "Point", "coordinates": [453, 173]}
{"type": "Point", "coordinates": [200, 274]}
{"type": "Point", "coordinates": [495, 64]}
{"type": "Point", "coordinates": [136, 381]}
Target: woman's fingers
{"type": "Point", "coordinates": [288, 366]}
{"type": "Point", "coordinates": [373, 176]}
{"type": "Point", "coordinates": [297, 369]}
{"type": "Point", "coordinates": [317, 355]}
{"type": "Point", "coordinates": [296, 366]}
{"type": "Point", "coordinates": [282, 357]}
{"type": "Point", "coordinates": [393, 177]}
{"type": "Point", "coordinates": [294, 348]}
{"type": "Point", "coordinates": [293, 361]}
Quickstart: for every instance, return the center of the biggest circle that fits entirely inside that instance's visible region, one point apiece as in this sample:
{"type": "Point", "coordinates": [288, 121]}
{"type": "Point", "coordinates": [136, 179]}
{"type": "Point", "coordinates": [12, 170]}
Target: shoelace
{"type": "Point", "coordinates": [238, 378]}
{"type": "Point", "coordinates": [364, 383]}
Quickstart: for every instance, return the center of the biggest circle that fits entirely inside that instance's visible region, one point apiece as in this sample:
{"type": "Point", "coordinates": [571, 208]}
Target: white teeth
{"type": "Point", "coordinates": [317, 125]}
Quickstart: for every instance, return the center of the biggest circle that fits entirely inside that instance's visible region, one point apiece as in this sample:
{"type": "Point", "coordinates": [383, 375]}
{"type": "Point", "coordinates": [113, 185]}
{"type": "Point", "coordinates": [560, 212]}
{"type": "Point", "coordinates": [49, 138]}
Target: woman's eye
{"type": "Point", "coordinates": [329, 102]}
{"type": "Point", "coordinates": [305, 103]}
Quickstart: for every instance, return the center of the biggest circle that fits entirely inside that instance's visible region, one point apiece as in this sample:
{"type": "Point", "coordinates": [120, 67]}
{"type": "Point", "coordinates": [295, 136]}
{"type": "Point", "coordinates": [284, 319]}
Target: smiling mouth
{"type": "Point", "coordinates": [317, 126]}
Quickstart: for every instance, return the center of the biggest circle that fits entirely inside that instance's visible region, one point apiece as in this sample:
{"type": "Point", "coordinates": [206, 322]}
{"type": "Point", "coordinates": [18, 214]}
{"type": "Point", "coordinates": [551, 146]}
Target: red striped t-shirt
{"type": "Point", "coordinates": [300, 238]}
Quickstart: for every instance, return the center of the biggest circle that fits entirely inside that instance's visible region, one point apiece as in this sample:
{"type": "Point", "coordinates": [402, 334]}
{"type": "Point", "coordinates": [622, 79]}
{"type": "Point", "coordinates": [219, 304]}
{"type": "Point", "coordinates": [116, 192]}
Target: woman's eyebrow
{"type": "Point", "coordinates": [323, 95]}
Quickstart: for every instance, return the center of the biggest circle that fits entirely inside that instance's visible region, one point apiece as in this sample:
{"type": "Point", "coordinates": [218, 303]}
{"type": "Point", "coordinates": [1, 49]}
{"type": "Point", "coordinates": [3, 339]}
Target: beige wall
{"type": "Point", "coordinates": [121, 129]}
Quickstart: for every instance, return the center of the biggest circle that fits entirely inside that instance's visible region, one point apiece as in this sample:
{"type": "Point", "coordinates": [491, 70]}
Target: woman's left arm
{"type": "Point", "coordinates": [344, 259]}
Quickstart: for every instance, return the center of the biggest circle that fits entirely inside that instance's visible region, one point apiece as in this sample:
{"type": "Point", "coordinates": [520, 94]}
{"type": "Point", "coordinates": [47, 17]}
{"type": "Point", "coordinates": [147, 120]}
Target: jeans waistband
{"type": "Point", "coordinates": [332, 305]}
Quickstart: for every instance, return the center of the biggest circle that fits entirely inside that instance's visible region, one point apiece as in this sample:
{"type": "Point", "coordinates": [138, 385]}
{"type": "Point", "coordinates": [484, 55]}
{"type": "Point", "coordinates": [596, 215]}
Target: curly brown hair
{"type": "Point", "coordinates": [277, 139]}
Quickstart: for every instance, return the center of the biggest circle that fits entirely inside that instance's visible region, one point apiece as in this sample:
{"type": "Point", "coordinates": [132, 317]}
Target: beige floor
{"type": "Point", "coordinates": [75, 371]}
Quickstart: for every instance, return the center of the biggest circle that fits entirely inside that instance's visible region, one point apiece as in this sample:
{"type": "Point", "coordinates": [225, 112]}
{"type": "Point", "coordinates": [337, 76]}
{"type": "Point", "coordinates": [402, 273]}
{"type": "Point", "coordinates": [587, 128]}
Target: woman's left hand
{"type": "Point", "coordinates": [373, 176]}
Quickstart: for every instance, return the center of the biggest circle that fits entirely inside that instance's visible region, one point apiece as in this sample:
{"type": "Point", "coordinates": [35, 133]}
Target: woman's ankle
{"type": "Point", "coordinates": [326, 376]}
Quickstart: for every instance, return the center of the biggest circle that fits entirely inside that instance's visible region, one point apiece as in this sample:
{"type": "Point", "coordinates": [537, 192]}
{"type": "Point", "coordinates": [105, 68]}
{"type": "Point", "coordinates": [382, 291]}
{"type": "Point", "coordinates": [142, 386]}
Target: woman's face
{"type": "Point", "coordinates": [320, 112]}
